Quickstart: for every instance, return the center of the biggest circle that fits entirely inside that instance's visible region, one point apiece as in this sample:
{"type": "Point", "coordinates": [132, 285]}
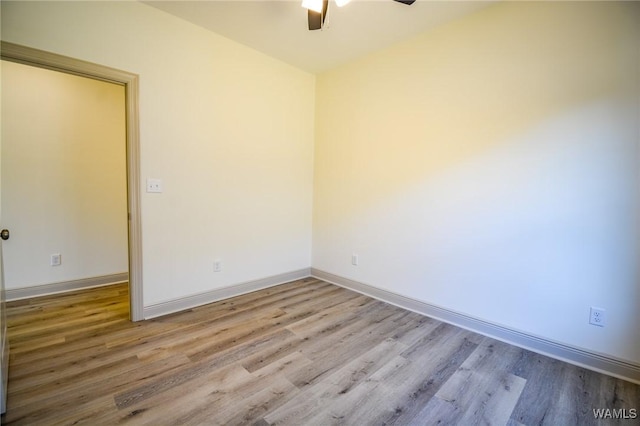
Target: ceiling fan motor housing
{"type": "Point", "coordinates": [316, 19]}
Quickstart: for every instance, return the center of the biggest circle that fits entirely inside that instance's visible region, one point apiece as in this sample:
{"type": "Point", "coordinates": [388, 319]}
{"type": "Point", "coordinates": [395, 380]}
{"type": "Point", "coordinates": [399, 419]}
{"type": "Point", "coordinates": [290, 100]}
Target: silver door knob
{"type": "Point", "coordinates": [4, 234]}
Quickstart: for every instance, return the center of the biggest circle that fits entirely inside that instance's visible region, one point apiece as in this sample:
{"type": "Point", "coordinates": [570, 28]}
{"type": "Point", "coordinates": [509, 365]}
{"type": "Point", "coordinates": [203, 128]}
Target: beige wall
{"type": "Point", "coordinates": [64, 176]}
{"type": "Point", "coordinates": [228, 130]}
{"type": "Point", "coordinates": [491, 167]}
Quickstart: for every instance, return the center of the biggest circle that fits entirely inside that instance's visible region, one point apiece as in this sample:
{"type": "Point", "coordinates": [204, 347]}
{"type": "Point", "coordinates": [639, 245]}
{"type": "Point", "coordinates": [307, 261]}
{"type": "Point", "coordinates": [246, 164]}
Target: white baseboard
{"type": "Point", "coordinates": [65, 286]}
{"type": "Point", "coordinates": [189, 302]}
{"type": "Point", "coordinates": [594, 361]}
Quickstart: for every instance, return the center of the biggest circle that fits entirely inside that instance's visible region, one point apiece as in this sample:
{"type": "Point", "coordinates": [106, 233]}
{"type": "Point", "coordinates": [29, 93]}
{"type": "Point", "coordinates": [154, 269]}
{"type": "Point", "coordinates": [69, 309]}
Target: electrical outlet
{"type": "Point", "coordinates": [217, 265]}
{"type": "Point", "coordinates": [597, 317]}
{"type": "Point", "coordinates": [354, 259]}
{"type": "Point", "coordinates": [56, 259]}
{"type": "Point", "coordinates": [154, 185]}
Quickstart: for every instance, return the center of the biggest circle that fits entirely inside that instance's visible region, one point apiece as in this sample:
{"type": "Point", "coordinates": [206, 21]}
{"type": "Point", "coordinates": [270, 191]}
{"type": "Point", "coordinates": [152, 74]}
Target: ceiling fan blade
{"type": "Point", "coordinates": [316, 19]}
{"type": "Point", "coordinates": [407, 2]}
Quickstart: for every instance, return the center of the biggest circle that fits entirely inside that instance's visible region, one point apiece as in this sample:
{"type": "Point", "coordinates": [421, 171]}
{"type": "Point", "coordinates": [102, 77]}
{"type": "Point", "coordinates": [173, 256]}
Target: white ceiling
{"type": "Point", "coordinates": [278, 28]}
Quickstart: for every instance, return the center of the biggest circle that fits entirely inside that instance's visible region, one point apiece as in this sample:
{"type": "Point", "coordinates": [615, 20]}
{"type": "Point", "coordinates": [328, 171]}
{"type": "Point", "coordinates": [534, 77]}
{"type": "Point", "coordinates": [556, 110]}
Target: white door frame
{"type": "Point", "coordinates": [39, 58]}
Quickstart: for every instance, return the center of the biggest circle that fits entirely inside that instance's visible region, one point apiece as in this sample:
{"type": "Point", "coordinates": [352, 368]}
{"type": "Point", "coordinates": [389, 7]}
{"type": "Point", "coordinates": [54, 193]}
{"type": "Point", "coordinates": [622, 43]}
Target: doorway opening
{"type": "Point", "coordinates": [33, 57]}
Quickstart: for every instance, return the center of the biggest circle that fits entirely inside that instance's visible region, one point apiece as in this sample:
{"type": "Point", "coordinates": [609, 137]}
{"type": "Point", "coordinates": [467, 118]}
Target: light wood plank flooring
{"type": "Point", "coordinates": [305, 352]}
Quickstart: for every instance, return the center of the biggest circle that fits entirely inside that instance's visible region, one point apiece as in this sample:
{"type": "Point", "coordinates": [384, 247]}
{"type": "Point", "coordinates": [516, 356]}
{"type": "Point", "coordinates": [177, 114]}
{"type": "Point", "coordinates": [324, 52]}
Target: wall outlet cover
{"type": "Point", "coordinates": [597, 317]}
{"type": "Point", "coordinates": [154, 185]}
{"type": "Point", "coordinates": [56, 259]}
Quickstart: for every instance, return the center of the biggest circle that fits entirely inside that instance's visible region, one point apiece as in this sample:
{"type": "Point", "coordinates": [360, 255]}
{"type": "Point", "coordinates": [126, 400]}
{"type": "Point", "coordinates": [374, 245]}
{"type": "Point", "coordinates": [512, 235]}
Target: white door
{"type": "Point", "coordinates": [4, 344]}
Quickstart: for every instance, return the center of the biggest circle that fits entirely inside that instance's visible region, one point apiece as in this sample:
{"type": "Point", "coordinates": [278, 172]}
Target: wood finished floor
{"type": "Point", "coordinates": [305, 352]}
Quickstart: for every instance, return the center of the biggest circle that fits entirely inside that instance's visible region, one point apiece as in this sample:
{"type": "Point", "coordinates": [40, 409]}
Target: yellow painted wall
{"type": "Point", "coordinates": [491, 167]}
{"type": "Point", "coordinates": [228, 130]}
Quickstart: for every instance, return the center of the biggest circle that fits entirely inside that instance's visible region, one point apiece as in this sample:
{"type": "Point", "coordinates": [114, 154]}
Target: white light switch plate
{"type": "Point", "coordinates": [154, 185]}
